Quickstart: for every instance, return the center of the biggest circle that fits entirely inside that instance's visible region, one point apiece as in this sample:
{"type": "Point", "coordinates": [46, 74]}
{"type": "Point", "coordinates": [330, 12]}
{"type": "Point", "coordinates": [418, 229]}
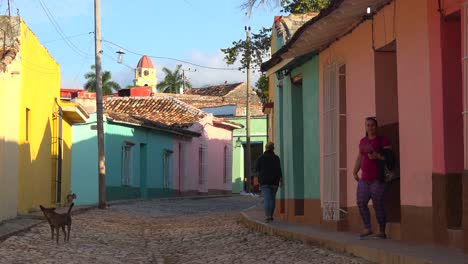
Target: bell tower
{"type": "Point", "coordinates": [145, 74]}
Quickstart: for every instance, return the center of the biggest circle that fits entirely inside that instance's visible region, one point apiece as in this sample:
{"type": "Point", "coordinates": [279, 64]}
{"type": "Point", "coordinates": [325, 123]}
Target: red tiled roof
{"type": "Point", "coordinates": [145, 62]}
{"type": "Point", "coordinates": [166, 111]}
{"type": "Point", "coordinates": [134, 120]}
{"type": "Point", "coordinates": [217, 90]}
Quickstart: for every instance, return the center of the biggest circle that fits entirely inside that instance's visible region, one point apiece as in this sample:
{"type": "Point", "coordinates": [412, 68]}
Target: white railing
{"type": "Point", "coordinates": [331, 180]}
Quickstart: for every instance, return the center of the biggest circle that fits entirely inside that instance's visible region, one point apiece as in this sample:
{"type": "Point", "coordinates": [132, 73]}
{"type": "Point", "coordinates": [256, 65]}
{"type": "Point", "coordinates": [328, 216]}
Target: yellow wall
{"type": "Point", "coordinates": [9, 132]}
{"type": "Point", "coordinates": [141, 79]}
{"type": "Point", "coordinates": [66, 164]}
{"type": "Point", "coordinates": [40, 86]}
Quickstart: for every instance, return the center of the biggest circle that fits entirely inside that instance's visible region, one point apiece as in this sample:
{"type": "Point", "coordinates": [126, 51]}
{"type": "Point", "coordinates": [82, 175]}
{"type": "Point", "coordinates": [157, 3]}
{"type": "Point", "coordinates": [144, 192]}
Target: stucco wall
{"type": "Point", "coordinates": [258, 134]}
{"type": "Point", "coordinates": [413, 60]}
{"type": "Point", "coordinates": [215, 139]}
{"type": "Point", "coordinates": [156, 144]}
{"type": "Point", "coordinates": [298, 125]}
{"type": "Point", "coordinates": [40, 86]}
{"type": "Point", "coordinates": [355, 50]}
{"type": "Point", "coordinates": [9, 142]}
{"type": "Point", "coordinates": [84, 169]}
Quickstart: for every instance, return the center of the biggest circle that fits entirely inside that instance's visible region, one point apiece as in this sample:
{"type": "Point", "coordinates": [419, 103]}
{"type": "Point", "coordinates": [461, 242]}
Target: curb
{"type": "Point", "coordinates": [375, 255]}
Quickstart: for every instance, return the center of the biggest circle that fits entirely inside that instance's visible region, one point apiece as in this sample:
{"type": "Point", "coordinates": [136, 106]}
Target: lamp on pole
{"type": "Point", "coordinates": [99, 106]}
{"type": "Point", "coordinates": [247, 111]}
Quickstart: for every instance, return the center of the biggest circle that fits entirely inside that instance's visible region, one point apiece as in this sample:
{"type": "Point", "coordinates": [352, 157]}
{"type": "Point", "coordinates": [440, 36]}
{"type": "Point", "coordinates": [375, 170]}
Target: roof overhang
{"type": "Point", "coordinates": [227, 124]}
{"type": "Point", "coordinates": [73, 112]}
{"type": "Point", "coordinates": [174, 131]}
{"type": "Point", "coordinates": [334, 22]}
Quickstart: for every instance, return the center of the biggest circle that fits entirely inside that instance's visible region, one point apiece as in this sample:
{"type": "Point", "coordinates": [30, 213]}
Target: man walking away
{"type": "Point", "coordinates": [270, 177]}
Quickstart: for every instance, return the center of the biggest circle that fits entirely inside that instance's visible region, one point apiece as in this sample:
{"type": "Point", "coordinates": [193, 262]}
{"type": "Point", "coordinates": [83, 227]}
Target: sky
{"type": "Point", "coordinates": [189, 30]}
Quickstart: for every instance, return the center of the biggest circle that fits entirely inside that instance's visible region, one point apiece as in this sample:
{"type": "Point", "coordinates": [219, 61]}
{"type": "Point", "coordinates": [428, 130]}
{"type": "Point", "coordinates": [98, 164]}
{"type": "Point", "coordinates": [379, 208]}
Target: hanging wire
{"type": "Point", "coordinates": [169, 58]}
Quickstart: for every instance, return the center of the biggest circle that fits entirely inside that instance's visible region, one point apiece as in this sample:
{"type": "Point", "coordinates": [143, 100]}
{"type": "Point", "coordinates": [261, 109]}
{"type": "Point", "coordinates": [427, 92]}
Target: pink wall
{"type": "Point", "coordinates": [216, 139]}
{"type": "Point", "coordinates": [354, 50]}
{"type": "Point", "coordinates": [414, 79]}
{"type": "Point", "coordinates": [446, 85]}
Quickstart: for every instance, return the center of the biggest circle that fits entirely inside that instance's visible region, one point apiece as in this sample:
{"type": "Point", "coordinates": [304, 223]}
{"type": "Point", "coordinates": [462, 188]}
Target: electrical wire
{"type": "Point", "coordinates": [69, 37]}
{"type": "Point", "coordinates": [59, 30]}
{"type": "Point", "coordinates": [169, 58]}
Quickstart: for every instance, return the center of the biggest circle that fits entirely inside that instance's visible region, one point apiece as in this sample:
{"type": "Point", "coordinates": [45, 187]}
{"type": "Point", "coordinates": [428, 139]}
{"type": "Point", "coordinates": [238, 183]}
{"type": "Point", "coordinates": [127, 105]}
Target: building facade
{"type": "Point", "coordinates": [404, 63]}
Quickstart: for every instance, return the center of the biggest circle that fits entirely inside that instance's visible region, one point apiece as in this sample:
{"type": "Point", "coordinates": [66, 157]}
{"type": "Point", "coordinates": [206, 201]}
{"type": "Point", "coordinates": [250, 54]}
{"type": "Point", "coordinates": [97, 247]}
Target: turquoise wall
{"type": "Point", "coordinates": [258, 134]}
{"type": "Point", "coordinates": [154, 144]}
{"type": "Point", "coordinates": [147, 162]}
{"type": "Point", "coordinates": [84, 168]}
{"type": "Point", "coordinates": [297, 132]}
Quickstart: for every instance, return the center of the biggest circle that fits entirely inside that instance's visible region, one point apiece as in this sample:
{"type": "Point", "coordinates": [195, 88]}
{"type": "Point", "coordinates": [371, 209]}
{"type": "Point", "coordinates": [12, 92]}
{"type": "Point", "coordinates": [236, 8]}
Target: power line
{"type": "Point", "coordinates": [59, 30]}
{"type": "Point", "coordinates": [69, 37]}
{"type": "Point", "coordinates": [168, 58]}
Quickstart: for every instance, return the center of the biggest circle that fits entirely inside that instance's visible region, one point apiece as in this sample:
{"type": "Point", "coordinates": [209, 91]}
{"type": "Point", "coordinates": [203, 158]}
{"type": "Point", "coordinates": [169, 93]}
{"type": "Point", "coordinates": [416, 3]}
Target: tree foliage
{"type": "Point", "coordinates": [173, 80]}
{"type": "Point", "coordinates": [259, 48]}
{"type": "Point", "coordinates": [249, 52]}
{"type": "Point", "coordinates": [303, 6]}
{"type": "Point", "coordinates": [262, 88]}
{"type": "Point", "coordinates": [288, 6]}
{"type": "Point", "coordinates": [108, 86]}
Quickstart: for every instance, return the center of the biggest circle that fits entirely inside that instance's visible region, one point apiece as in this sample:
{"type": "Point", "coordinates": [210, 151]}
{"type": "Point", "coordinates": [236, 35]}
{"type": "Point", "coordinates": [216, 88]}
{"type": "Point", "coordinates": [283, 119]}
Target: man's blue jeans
{"type": "Point", "coordinates": [269, 197]}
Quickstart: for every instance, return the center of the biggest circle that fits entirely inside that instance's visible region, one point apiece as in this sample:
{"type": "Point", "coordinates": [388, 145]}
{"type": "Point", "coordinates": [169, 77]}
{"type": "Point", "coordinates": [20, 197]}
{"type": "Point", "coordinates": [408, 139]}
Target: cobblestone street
{"type": "Point", "coordinates": [167, 231]}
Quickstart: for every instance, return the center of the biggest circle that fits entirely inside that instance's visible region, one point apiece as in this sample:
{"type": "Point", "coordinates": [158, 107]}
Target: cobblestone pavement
{"type": "Point", "coordinates": [169, 231]}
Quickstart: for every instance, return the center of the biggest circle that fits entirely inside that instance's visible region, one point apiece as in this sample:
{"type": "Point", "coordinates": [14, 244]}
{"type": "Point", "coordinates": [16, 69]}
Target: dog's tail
{"type": "Point", "coordinates": [69, 209]}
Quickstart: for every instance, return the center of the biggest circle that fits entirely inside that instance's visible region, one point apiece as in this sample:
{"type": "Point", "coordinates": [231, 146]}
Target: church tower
{"type": "Point", "coordinates": [145, 74]}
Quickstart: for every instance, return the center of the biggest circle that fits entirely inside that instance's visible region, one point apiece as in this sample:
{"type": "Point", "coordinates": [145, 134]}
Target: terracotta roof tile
{"type": "Point", "coordinates": [167, 111]}
{"type": "Point", "coordinates": [145, 62]}
{"type": "Point", "coordinates": [217, 90]}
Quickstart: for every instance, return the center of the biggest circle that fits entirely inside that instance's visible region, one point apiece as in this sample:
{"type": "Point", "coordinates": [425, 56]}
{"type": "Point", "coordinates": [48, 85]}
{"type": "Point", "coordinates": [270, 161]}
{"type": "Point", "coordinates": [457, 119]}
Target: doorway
{"type": "Point", "coordinates": [298, 143]}
{"type": "Point", "coordinates": [256, 149]}
{"type": "Point", "coordinates": [143, 171]}
{"type": "Point", "coordinates": [386, 101]}
{"type": "Point", "coordinates": [452, 81]}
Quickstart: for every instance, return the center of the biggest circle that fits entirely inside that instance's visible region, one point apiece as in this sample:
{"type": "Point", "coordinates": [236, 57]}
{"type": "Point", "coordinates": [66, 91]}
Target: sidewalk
{"type": "Point", "coordinates": [23, 223]}
{"type": "Point", "coordinates": [378, 251]}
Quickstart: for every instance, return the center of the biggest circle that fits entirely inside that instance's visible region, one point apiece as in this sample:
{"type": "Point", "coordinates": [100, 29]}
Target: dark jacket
{"type": "Point", "coordinates": [389, 162]}
{"type": "Point", "coordinates": [269, 169]}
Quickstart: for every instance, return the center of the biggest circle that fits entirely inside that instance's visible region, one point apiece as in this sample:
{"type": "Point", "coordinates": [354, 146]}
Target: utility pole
{"type": "Point", "coordinates": [99, 106]}
{"type": "Point", "coordinates": [183, 82]}
{"type": "Point", "coordinates": [247, 112]}
{"type": "Point", "coordinates": [183, 78]}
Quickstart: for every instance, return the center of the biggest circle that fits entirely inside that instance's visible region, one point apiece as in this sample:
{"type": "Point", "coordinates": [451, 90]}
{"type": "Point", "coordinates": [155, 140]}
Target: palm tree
{"type": "Point", "coordinates": [108, 86]}
{"type": "Point", "coordinates": [173, 80]}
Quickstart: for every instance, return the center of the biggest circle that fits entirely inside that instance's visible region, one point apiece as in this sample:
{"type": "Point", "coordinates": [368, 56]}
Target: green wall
{"type": "Point", "coordinates": [154, 144]}
{"type": "Point", "coordinates": [258, 134]}
{"type": "Point", "coordinates": [147, 162]}
{"type": "Point", "coordinates": [297, 132]}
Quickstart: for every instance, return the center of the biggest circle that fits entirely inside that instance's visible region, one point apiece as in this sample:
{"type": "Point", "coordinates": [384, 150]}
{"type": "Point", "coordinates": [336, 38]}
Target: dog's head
{"type": "Point", "coordinates": [71, 197]}
{"type": "Point", "coordinates": [47, 211]}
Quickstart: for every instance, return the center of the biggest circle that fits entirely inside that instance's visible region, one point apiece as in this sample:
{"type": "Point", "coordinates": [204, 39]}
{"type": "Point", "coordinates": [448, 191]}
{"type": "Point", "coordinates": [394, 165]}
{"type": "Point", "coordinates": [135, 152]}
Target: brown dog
{"type": "Point", "coordinates": [57, 221]}
{"type": "Point", "coordinates": [71, 197]}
